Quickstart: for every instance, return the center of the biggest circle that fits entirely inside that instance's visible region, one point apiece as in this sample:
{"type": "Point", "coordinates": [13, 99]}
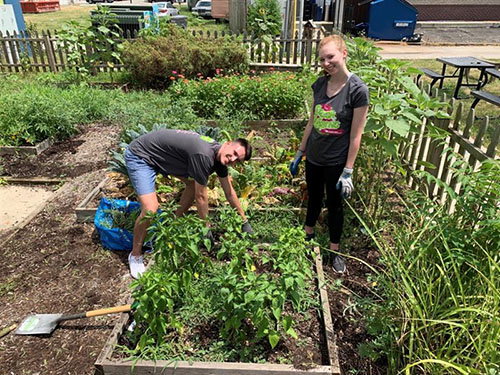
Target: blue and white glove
{"type": "Point", "coordinates": [344, 183]}
{"type": "Point", "coordinates": [294, 165]}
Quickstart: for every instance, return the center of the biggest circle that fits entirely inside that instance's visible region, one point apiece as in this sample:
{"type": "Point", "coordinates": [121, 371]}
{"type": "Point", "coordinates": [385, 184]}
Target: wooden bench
{"type": "Point", "coordinates": [483, 95]}
{"type": "Point", "coordinates": [435, 76]}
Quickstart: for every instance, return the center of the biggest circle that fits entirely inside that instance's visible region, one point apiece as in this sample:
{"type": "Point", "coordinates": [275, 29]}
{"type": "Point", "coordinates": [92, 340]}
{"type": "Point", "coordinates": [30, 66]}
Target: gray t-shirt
{"type": "Point", "coordinates": [179, 153]}
{"type": "Point", "coordinates": [329, 141]}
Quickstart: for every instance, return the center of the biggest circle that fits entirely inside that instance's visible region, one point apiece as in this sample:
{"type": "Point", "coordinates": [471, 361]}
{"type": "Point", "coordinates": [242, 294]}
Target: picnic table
{"type": "Point", "coordinates": [462, 64]}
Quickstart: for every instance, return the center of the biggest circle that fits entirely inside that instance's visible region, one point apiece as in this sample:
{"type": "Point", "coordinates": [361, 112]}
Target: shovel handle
{"type": "Point", "coordinates": [109, 310]}
{"type": "Point", "coordinates": [88, 314]}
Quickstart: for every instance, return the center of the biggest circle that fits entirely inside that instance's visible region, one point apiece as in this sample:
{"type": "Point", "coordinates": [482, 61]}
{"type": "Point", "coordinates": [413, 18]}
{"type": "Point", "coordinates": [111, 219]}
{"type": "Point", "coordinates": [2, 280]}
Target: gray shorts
{"type": "Point", "coordinates": [141, 174]}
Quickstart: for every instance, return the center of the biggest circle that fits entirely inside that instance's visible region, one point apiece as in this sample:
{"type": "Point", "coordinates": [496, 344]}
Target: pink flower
{"type": "Point", "coordinates": [326, 107]}
{"type": "Point", "coordinates": [174, 71]}
{"type": "Point", "coordinates": [217, 71]}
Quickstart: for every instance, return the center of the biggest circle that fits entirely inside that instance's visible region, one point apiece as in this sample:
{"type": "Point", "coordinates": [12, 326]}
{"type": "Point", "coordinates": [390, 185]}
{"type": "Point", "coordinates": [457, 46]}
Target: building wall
{"type": "Point", "coordinates": [457, 10]}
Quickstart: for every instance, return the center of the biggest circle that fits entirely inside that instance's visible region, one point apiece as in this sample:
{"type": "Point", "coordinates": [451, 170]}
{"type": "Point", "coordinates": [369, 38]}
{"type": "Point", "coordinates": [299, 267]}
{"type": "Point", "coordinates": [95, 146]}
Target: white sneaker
{"type": "Point", "coordinates": [136, 265]}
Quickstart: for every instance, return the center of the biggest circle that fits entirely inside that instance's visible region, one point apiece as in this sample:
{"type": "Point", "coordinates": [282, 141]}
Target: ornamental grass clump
{"type": "Point", "coordinates": [441, 286]}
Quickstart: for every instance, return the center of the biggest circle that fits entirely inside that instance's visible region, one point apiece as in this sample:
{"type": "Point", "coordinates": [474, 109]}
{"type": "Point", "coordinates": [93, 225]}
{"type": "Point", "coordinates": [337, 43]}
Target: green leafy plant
{"type": "Point", "coordinates": [268, 96]}
{"type": "Point", "coordinates": [102, 42]}
{"type": "Point", "coordinates": [158, 61]}
{"type": "Point", "coordinates": [263, 24]}
{"type": "Point", "coordinates": [440, 287]}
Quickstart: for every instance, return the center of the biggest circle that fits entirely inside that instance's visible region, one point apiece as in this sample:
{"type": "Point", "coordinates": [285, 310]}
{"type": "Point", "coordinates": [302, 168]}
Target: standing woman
{"type": "Point", "coordinates": [331, 140]}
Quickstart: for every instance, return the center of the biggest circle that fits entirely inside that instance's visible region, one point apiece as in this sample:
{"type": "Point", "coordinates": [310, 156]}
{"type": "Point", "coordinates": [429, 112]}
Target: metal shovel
{"type": "Point", "coordinates": [44, 324]}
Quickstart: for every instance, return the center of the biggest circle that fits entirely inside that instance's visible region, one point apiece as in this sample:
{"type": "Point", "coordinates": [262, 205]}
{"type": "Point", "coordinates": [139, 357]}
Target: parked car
{"type": "Point", "coordinates": [167, 9]}
{"type": "Point", "coordinates": [203, 9]}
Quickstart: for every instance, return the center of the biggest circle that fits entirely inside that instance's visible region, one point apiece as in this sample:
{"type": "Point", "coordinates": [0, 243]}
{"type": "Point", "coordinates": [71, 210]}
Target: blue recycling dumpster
{"type": "Point", "coordinates": [391, 19]}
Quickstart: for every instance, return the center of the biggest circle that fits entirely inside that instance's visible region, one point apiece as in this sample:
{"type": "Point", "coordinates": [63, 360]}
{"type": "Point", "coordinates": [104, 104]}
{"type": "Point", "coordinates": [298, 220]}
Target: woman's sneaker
{"type": "Point", "coordinates": [338, 264]}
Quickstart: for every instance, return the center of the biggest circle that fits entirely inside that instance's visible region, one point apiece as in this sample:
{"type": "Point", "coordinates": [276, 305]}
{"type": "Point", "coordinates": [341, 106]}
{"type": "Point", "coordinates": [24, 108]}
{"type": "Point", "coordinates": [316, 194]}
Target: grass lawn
{"type": "Point", "coordinates": [482, 109]}
{"type": "Point", "coordinates": [81, 13]}
{"type": "Point", "coordinates": [54, 20]}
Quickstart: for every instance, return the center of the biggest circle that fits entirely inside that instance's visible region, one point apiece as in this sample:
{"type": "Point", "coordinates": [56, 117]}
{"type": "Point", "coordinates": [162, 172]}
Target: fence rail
{"type": "Point", "coordinates": [423, 151]}
{"type": "Point", "coordinates": [47, 52]}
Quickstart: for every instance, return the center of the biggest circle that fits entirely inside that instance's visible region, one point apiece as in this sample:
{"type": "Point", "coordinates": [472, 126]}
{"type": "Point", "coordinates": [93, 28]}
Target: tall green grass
{"type": "Point", "coordinates": [441, 284]}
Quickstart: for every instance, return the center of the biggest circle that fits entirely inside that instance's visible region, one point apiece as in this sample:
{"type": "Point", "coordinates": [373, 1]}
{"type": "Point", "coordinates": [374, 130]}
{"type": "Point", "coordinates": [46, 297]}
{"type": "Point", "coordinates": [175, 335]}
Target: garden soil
{"type": "Point", "coordinates": [56, 265]}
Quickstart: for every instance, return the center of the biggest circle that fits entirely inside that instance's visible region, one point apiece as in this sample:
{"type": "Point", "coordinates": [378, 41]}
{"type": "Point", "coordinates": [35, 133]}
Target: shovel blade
{"type": "Point", "coordinates": [39, 324]}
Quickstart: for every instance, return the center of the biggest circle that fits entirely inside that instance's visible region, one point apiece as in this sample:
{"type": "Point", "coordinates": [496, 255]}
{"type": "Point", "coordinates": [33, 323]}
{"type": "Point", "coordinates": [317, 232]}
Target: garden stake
{"type": "Point", "coordinates": [44, 324]}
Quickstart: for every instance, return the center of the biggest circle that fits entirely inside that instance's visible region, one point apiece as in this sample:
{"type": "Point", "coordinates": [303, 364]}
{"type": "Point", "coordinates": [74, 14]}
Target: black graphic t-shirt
{"type": "Point", "coordinates": [329, 141]}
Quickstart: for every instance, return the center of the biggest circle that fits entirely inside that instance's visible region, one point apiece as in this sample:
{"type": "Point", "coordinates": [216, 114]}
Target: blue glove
{"type": "Point", "coordinates": [294, 165]}
{"type": "Point", "coordinates": [344, 183]}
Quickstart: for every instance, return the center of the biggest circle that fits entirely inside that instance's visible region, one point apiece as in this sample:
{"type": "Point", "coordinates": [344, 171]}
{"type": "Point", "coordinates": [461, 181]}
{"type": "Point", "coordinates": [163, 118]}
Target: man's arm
{"type": "Point", "coordinates": [200, 196]}
{"type": "Point", "coordinates": [231, 196]}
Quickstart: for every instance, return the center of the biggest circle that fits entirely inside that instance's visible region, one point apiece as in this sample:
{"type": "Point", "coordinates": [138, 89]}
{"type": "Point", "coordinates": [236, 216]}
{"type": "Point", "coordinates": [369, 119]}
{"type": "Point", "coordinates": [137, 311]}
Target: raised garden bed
{"type": "Point", "coordinates": [26, 150]}
{"type": "Point", "coordinates": [111, 188]}
{"type": "Point", "coordinates": [107, 364]}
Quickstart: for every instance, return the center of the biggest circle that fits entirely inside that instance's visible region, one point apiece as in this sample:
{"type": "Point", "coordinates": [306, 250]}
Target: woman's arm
{"type": "Point", "coordinates": [357, 127]}
{"type": "Point", "coordinates": [307, 130]}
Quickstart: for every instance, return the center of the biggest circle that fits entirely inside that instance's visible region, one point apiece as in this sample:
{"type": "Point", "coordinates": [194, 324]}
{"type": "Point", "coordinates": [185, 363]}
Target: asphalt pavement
{"type": "Point", "coordinates": [403, 51]}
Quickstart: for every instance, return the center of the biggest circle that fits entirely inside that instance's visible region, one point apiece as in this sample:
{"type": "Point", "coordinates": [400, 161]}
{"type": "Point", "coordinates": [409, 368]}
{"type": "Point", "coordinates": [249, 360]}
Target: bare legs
{"type": "Point", "coordinates": [149, 203]}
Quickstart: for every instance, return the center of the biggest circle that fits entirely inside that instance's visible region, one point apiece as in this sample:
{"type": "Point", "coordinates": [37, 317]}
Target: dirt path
{"type": "Point", "coordinates": [56, 265]}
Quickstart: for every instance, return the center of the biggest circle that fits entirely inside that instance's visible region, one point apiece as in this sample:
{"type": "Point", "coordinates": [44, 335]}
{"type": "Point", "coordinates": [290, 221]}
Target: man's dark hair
{"type": "Point", "coordinates": [248, 147]}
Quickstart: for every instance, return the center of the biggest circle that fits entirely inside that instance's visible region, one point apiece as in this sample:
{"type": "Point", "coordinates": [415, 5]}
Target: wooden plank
{"type": "Point", "coordinates": [331, 340]}
{"type": "Point", "coordinates": [33, 53]}
{"type": "Point", "coordinates": [26, 150]}
{"type": "Point", "coordinates": [479, 141]}
{"type": "Point", "coordinates": [495, 139]}
{"type": "Point", "coordinates": [41, 52]}
{"type": "Point", "coordinates": [259, 124]}
{"type": "Point", "coordinates": [467, 145]}
{"type": "Point", "coordinates": [203, 368]}
{"type": "Point", "coordinates": [13, 53]}
{"type": "Point", "coordinates": [33, 181]}
{"type": "Point", "coordinates": [83, 213]}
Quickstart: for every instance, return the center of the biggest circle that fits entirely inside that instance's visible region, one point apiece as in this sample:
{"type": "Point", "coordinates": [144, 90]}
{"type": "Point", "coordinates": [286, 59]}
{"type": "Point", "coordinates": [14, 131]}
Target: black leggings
{"type": "Point", "coordinates": [316, 178]}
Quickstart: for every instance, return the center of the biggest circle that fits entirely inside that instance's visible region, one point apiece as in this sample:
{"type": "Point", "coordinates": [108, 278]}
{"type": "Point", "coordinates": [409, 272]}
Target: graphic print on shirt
{"type": "Point", "coordinates": [325, 120]}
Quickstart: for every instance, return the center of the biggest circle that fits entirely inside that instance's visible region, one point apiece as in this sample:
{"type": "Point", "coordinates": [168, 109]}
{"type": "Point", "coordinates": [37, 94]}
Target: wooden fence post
{"type": "Point", "coordinates": [50, 52]}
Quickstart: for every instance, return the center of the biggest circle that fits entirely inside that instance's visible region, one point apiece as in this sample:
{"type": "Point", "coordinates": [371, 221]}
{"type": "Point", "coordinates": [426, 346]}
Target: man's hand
{"type": "Point", "coordinates": [345, 183]}
{"type": "Point", "coordinates": [294, 165]}
{"type": "Point", "coordinates": [247, 228]}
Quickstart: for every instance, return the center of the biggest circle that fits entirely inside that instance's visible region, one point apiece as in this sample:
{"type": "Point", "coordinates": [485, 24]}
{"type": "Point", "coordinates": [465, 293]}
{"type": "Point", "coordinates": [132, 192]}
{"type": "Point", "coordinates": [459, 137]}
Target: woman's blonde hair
{"type": "Point", "coordinates": [337, 39]}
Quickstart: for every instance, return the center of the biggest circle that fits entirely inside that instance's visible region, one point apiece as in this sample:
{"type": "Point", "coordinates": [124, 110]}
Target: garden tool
{"type": "Point", "coordinates": [44, 324]}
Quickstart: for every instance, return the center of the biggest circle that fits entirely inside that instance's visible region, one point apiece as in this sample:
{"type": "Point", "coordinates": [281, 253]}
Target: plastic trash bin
{"type": "Point", "coordinates": [391, 20]}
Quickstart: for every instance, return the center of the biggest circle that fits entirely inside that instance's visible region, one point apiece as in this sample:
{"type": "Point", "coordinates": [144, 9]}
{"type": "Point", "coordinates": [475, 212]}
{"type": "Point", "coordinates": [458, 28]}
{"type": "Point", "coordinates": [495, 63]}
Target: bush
{"type": "Point", "coordinates": [155, 61]}
{"type": "Point", "coordinates": [269, 96]}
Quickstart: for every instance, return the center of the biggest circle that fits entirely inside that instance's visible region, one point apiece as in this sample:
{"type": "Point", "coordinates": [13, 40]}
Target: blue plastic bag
{"type": "Point", "coordinates": [114, 238]}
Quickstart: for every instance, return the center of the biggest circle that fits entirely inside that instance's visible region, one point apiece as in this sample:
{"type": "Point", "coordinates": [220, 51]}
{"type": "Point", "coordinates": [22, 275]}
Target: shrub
{"type": "Point", "coordinates": [36, 112]}
{"type": "Point", "coordinates": [155, 61]}
{"type": "Point", "coordinates": [269, 96]}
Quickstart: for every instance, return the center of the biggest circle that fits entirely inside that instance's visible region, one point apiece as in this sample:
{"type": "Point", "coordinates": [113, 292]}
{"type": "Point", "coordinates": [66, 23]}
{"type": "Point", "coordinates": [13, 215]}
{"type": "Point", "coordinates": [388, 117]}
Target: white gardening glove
{"type": "Point", "coordinates": [344, 183]}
